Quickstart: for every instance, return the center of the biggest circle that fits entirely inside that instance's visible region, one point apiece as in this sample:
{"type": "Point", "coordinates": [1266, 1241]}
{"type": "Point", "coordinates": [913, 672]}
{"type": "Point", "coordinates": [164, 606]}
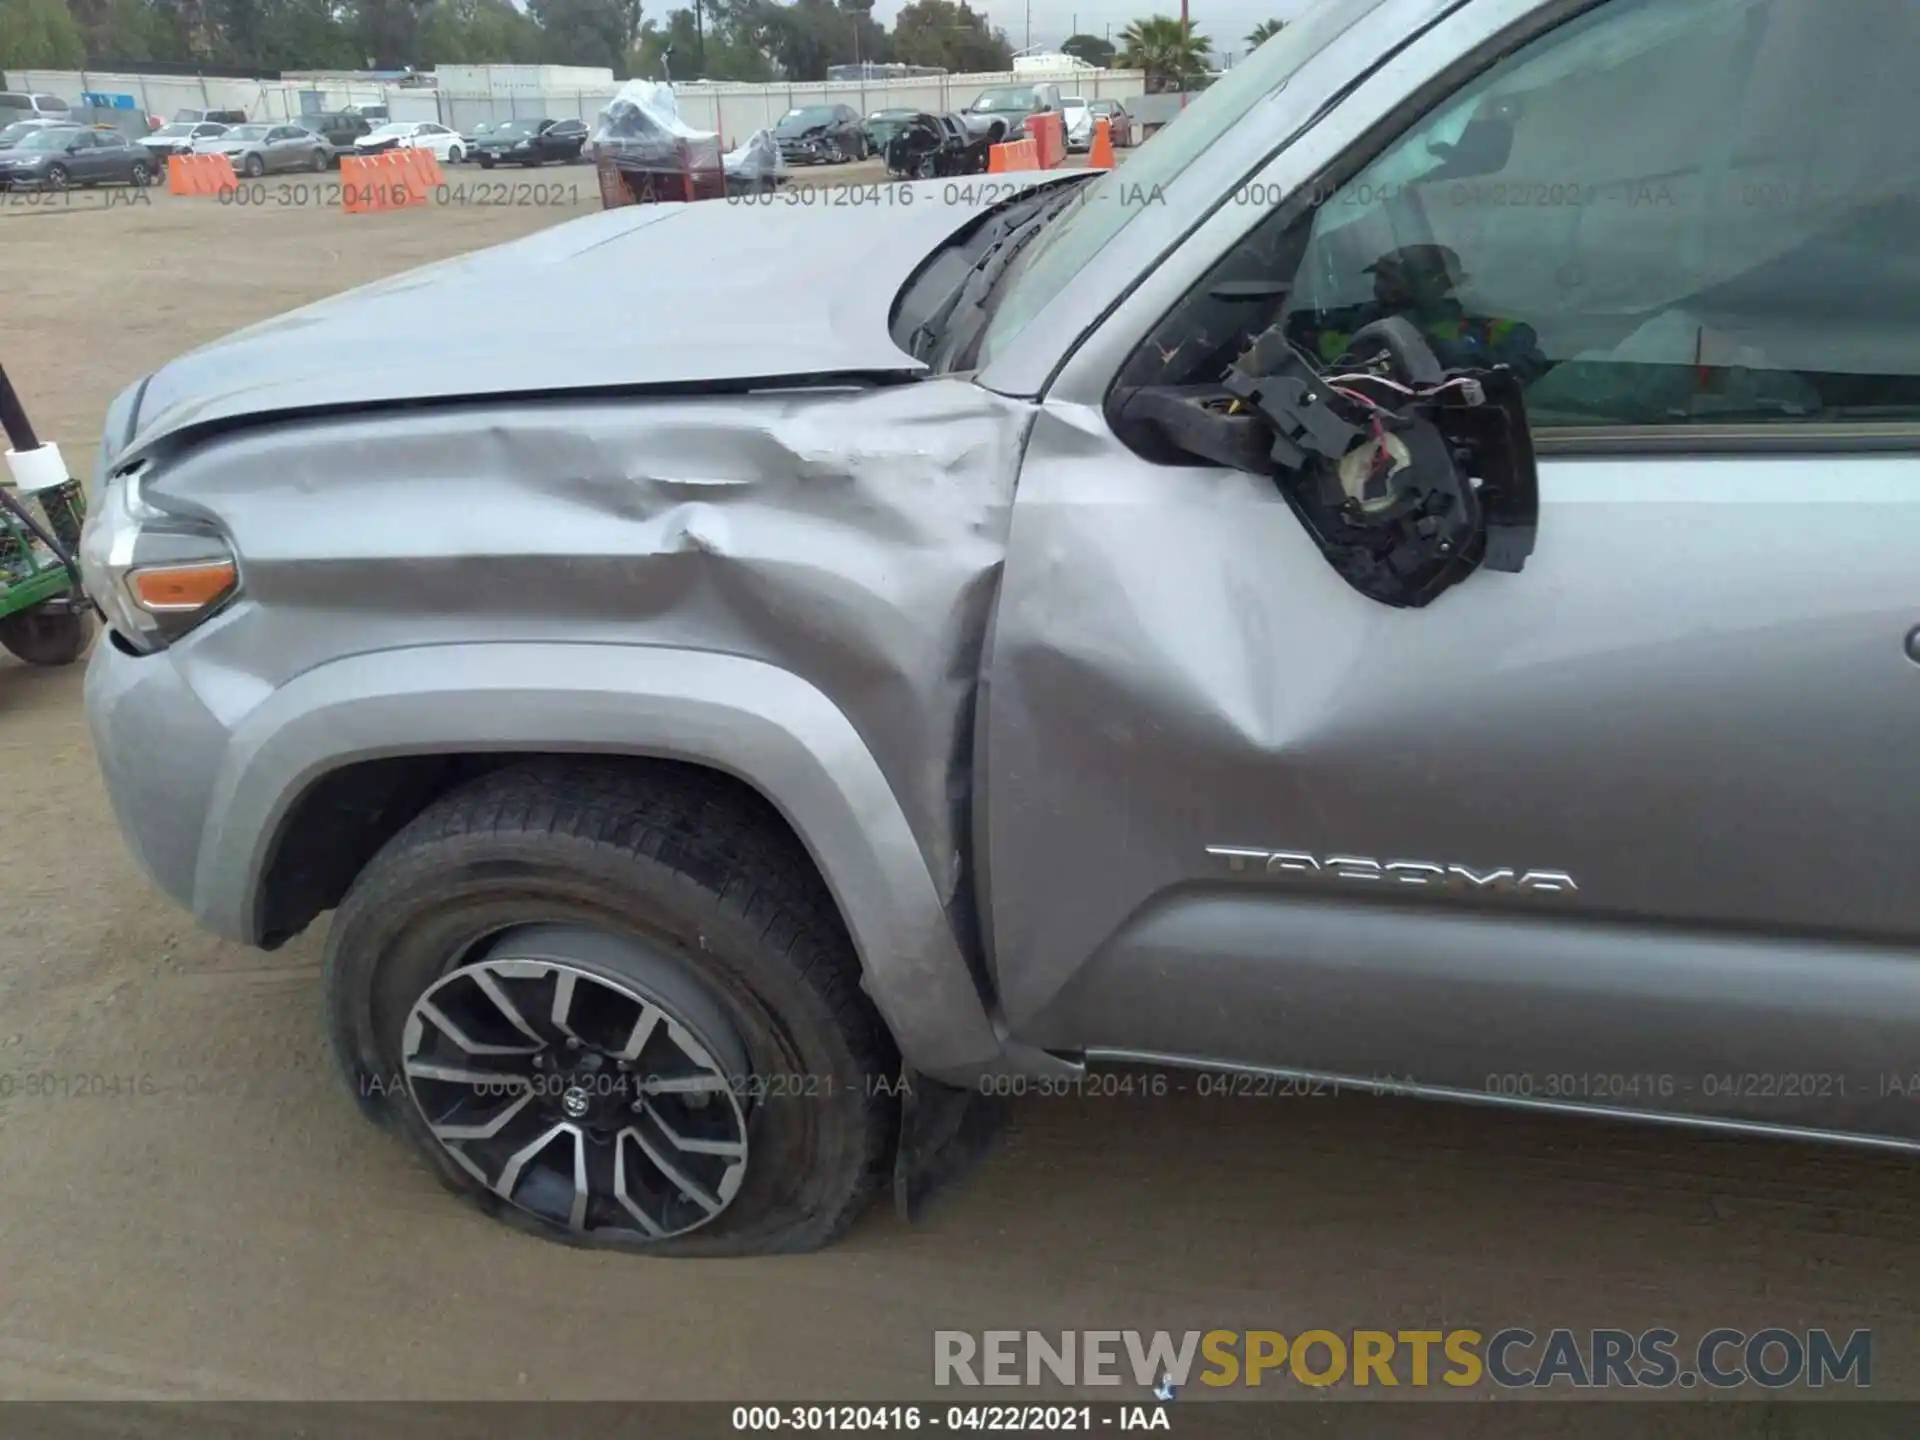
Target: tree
{"type": "Point", "coordinates": [589, 32]}
{"type": "Point", "coordinates": [721, 47]}
{"type": "Point", "coordinates": [1168, 54]}
{"type": "Point", "coordinates": [1090, 48]}
{"type": "Point", "coordinates": [1264, 32]}
{"type": "Point", "coordinates": [40, 35]}
{"type": "Point", "coordinates": [386, 33]}
{"type": "Point", "coordinates": [809, 35]}
{"type": "Point", "coordinates": [950, 35]}
{"type": "Point", "coordinates": [479, 32]}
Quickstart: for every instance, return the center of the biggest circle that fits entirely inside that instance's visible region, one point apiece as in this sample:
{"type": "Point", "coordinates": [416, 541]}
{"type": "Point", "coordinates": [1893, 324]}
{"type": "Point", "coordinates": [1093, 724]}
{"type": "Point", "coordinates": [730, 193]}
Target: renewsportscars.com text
{"type": "Point", "coordinates": [1511, 1358]}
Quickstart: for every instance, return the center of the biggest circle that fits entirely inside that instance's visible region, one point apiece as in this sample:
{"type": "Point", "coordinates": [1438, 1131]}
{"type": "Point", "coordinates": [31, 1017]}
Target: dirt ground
{"type": "Point", "coordinates": [225, 1226]}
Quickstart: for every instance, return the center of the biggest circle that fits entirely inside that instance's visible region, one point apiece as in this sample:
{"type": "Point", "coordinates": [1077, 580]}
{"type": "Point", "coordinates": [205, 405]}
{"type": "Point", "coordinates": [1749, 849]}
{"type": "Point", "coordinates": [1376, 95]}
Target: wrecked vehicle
{"type": "Point", "coordinates": [1001, 112]}
{"type": "Point", "coordinates": [1276, 610]}
{"type": "Point", "coordinates": [929, 146]}
{"type": "Point", "coordinates": [821, 135]}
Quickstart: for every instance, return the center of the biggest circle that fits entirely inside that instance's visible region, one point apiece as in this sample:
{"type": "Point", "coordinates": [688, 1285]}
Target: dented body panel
{"type": "Point", "coordinates": [1098, 755]}
{"type": "Point", "coordinates": [567, 577]}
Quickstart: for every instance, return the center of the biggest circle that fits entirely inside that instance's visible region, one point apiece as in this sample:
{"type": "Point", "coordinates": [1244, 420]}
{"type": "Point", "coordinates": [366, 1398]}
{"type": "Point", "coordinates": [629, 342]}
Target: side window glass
{"type": "Point", "coordinates": [1655, 215]}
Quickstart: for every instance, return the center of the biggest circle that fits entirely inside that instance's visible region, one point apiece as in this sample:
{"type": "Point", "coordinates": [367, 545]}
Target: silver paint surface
{"type": "Point", "coordinates": [641, 296]}
{"type": "Point", "coordinates": [1036, 662]}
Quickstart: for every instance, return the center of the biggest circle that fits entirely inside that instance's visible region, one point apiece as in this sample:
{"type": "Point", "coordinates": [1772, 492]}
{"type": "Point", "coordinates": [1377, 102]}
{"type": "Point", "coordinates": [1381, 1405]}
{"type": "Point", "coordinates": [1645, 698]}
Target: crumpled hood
{"type": "Point", "coordinates": [646, 295]}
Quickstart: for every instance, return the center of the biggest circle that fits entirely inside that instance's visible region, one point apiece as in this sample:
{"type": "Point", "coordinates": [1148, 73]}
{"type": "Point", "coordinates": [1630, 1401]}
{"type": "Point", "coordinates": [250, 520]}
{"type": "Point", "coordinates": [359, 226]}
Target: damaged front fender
{"type": "Point", "coordinates": [761, 724]}
{"type": "Point", "coordinates": [793, 587]}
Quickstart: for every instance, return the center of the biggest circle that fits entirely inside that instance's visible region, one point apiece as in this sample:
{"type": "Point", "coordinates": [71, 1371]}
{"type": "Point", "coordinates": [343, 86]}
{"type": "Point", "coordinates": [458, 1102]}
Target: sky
{"type": "Point", "coordinates": [1224, 22]}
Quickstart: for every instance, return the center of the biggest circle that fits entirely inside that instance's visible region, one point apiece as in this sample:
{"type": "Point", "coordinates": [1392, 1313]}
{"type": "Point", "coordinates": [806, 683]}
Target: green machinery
{"type": "Point", "coordinates": [45, 617]}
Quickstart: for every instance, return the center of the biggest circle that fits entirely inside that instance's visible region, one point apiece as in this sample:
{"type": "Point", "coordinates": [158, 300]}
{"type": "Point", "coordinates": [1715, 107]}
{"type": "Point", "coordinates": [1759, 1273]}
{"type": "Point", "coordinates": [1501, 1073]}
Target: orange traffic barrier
{"type": "Point", "coordinates": [199, 174]}
{"type": "Point", "coordinates": [391, 180]}
{"type": "Point", "coordinates": [1100, 155]}
{"type": "Point", "coordinates": [425, 168]}
{"type": "Point", "coordinates": [1049, 135]}
{"type": "Point", "coordinates": [1013, 155]}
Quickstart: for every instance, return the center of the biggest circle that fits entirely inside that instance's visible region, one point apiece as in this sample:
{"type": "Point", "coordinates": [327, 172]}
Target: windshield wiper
{"type": "Point", "coordinates": [1012, 233]}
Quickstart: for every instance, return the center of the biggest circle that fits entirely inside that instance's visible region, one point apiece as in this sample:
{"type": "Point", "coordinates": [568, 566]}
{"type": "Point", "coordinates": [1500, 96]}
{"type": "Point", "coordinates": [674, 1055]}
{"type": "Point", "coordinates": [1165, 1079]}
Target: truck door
{"type": "Point", "coordinates": [1629, 829]}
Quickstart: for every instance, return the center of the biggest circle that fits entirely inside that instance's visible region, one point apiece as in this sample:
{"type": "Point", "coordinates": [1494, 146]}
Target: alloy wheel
{"type": "Point", "coordinates": [597, 1104]}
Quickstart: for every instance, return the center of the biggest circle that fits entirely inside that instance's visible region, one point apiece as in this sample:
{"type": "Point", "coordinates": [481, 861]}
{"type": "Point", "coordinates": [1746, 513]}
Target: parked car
{"type": "Point", "coordinates": [936, 145]}
{"type": "Point", "coordinates": [882, 125]}
{"type": "Point", "coordinates": [412, 135]}
{"type": "Point", "coordinates": [341, 129]}
{"type": "Point", "coordinates": [1019, 653]}
{"type": "Point", "coordinates": [258, 149]}
{"type": "Point", "coordinates": [531, 142]}
{"type": "Point", "coordinates": [178, 139]}
{"type": "Point", "coordinates": [209, 117]}
{"type": "Point", "coordinates": [470, 139]}
{"type": "Point", "coordinates": [1119, 121]}
{"type": "Point", "coordinates": [24, 104]}
{"type": "Point", "coordinates": [821, 135]}
{"type": "Point", "coordinates": [1077, 121]}
{"type": "Point", "coordinates": [58, 156]}
{"type": "Point", "coordinates": [12, 132]}
{"type": "Point", "coordinates": [1000, 112]}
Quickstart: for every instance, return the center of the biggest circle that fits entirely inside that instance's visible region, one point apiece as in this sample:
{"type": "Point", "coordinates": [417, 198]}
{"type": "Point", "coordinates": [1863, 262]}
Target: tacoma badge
{"type": "Point", "coordinates": [1463, 878]}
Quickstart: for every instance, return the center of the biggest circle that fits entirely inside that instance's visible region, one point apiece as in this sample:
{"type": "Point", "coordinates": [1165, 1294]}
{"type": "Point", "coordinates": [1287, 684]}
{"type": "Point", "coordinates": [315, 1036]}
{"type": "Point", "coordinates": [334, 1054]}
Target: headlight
{"type": "Point", "coordinates": [154, 575]}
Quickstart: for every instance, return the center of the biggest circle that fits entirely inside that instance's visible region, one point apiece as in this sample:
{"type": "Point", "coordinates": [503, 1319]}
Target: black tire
{"type": "Point", "coordinates": [702, 876]}
{"type": "Point", "coordinates": [58, 177]}
{"type": "Point", "coordinates": [319, 162]}
{"type": "Point", "coordinates": [253, 167]}
{"type": "Point", "coordinates": [486, 162]}
{"type": "Point", "coordinates": [43, 637]}
{"type": "Point", "coordinates": [139, 177]}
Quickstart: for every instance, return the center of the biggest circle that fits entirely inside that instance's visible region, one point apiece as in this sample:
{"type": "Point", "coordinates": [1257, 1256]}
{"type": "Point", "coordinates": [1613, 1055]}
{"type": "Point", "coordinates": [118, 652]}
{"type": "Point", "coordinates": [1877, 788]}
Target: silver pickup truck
{"type": "Point", "coordinates": [1406, 583]}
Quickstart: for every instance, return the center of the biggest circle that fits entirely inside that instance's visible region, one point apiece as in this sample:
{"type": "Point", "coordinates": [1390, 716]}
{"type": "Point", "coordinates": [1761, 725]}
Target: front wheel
{"type": "Point", "coordinates": [41, 636]}
{"type": "Point", "coordinates": [319, 162]}
{"type": "Point", "coordinates": [455, 154]}
{"type": "Point", "coordinates": [615, 1006]}
{"type": "Point", "coordinates": [58, 177]}
{"type": "Point", "coordinates": [486, 162]}
{"type": "Point", "coordinates": [253, 167]}
{"type": "Point", "coordinates": [140, 177]}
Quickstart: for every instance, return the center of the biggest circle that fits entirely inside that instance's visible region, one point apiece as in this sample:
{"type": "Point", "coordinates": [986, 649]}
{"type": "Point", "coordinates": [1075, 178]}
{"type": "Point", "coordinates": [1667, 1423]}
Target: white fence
{"type": "Point", "coordinates": [734, 111]}
{"type": "Point", "coordinates": [163, 95]}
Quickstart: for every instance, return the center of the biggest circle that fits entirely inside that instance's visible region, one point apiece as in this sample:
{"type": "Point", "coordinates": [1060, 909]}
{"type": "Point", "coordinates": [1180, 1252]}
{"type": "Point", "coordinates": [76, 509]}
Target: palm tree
{"type": "Point", "coordinates": [1159, 46]}
{"type": "Point", "coordinates": [1264, 32]}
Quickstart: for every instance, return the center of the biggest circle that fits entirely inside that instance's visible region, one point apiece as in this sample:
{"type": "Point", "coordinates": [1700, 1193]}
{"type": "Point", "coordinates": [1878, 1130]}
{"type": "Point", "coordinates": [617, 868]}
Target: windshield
{"type": "Point", "coordinates": [397, 127]}
{"type": "Point", "coordinates": [517, 127]}
{"type": "Point", "coordinates": [1019, 97]}
{"type": "Point", "coordinates": [15, 132]}
{"type": "Point", "coordinates": [812, 115]}
{"type": "Point", "coordinates": [1106, 204]}
{"type": "Point", "coordinates": [169, 131]}
{"type": "Point", "coordinates": [1072, 102]}
{"type": "Point", "coordinates": [45, 140]}
{"type": "Point", "coordinates": [246, 132]}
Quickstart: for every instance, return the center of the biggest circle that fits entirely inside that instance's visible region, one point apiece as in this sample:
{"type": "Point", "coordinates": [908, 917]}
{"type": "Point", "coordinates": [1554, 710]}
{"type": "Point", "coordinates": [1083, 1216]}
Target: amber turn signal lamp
{"type": "Point", "coordinates": [183, 587]}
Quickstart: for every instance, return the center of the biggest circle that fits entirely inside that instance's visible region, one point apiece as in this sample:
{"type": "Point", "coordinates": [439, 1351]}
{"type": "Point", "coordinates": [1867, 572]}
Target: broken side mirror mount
{"type": "Point", "coordinates": [1408, 477]}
